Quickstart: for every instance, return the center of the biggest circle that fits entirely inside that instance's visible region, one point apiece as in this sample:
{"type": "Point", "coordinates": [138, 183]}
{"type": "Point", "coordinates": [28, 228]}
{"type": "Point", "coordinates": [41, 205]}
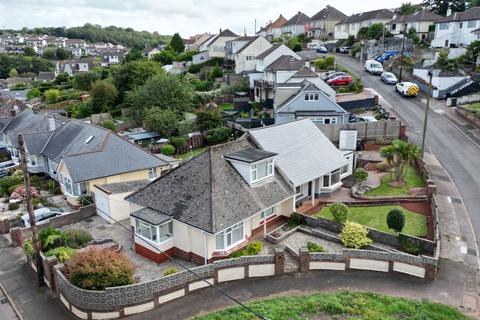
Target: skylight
{"type": "Point", "coordinates": [89, 139]}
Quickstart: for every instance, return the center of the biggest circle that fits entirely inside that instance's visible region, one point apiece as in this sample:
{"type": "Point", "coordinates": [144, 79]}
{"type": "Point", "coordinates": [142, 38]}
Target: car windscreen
{"type": "Point", "coordinates": [376, 65]}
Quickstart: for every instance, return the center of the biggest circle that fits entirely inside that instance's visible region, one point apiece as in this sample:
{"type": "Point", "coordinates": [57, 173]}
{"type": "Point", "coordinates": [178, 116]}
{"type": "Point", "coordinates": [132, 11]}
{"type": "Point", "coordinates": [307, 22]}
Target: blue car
{"type": "Point", "coordinates": [322, 49]}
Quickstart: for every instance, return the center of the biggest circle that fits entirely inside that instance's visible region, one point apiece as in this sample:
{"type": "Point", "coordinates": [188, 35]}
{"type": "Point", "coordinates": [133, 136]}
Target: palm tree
{"type": "Point", "coordinates": [399, 155]}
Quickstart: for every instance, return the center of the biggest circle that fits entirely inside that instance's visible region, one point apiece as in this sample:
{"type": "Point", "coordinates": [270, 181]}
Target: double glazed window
{"type": "Point", "coordinates": [229, 237]}
{"type": "Point", "coordinates": [443, 26]}
{"type": "Point", "coordinates": [311, 96]}
{"type": "Point", "coordinates": [331, 179]}
{"type": "Point", "coordinates": [154, 233]}
{"type": "Point", "coordinates": [323, 120]}
{"type": "Point", "coordinates": [267, 213]}
{"type": "Point", "coordinates": [73, 189]}
{"type": "Point", "coordinates": [262, 170]}
{"type": "Point", "coordinates": [152, 173]}
{"type": "Point", "coordinates": [472, 24]}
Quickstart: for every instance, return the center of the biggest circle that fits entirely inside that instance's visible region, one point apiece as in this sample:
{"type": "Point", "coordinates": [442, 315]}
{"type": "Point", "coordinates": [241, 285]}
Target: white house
{"type": "Point", "coordinates": [420, 21]}
{"type": "Point", "coordinates": [457, 29]}
{"type": "Point", "coordinates": [244, 50]}
{"type": "Point", "coordinates": [352, 24]}
{"type": "Point", "coordinates": [296, 25]}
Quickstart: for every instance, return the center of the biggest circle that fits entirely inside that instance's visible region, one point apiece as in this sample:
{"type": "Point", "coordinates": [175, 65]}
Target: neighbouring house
{"type": "Point", "coordinates": [214, 47]}
{"type": "Point", "coordinates": [307, 74]}
{"type": "Point", "coordinates": [45, 76]}
{"type": "Point", "coordinates": [150, 52]}
{"type": "Point", "coordinates": [244, 50]}
{"type": "Point", "coordinates": [273, 30]}
{"type": "Point", "coordinates": [322, 24]}
{"type": "Point", "coordinates": [143, 137]}
{"type": "Point", "coordinates": [110, 58]}
{"type": "Point", "coordinates": [457, 29]}
{"type": "Point", "coordinates": [295, 25]}
{"type": "Point", "coordinates": [76, 52]}
{"type": "Point", "coordinates": [73, 66]}
{"type": "Point", "coordinates": [420, 21]}
{"type": "Point", "coordinates": [305, 100]}
{"type": "Point", "coordinates": [195, 41]}
{"type": "Point", "coordinates": [213, 204]}
{"type": "Point", "coordinates": [267, 57]}
{"type": "Point", "coordinates": [352, 24]}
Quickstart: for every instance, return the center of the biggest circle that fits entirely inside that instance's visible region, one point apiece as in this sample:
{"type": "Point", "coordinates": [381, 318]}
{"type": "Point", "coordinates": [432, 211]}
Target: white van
{"type": "Point", "coordinates": [374, 67]}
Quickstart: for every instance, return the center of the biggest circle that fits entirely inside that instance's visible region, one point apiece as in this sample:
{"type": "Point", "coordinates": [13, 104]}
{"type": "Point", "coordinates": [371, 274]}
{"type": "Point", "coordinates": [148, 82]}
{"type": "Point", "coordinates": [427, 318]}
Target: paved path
{"type": "Point", "coordinates": [6, 309]}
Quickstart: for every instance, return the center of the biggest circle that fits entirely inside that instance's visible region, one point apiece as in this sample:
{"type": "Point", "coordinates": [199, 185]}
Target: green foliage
{"type": "Point", "coordinates": [99, 269]}
{"type": "Point", "coordinates": [132, 74]}
{"type": "Point", "coordinates": [13, 73]}
{"type": "Point", "coordinates": [195, 68]}
{"type": "Point", "coordinates": [218, 135]}
{"type": "Point", "coordinates": [396, 220]}
{"type": "Point", "coordinates": [7, 182]}
{"type": "Point", "coordinates": [361, 175]}
{"type": "Point", "coordinates": [33, 93]}
{"type": "Point", "coordinates": [295, 220]}
{"type": "Point", "coordinates": [84, 80]}
{"type": "Point", "coordinates": [170, 271]}
{"type": "Point", "coordinates": [357, 47]}
{"type": "Point", "coordinates": [168, 150]}
{"type": "Point", "coordinates": [253, 248]}
{"type": "Point", "coordinates": [134, 54]}
{"type": "Point", "coordinates": [325, 64]}
{"type": "Point", "coordinates": [315, 247]}
{"type": "Point", "coordinates": [35, 202]}
{"type": "Point", "coordinates": [29, 51]}
{"type": "Point", "coordinates": [81, 110]}
{"type": "Point", "coordinates": [410, 246]}
{"type": "Point", "coordinates": [399, 155]}
{"type": "Point", "coordinates": [162, 121]}
{"type": "Point", "coordinates": [165, 57]}
{"type": "Point", "coordinates": [177, 43]}
{"type": "Point", "coordinates": [62, 253]}
{"type": "Point", "coordinates": [340, 212]}
{"type": "Point", "coordinates": [28, 249]}
{"type": "Point", "coordinates": [13, 206]}
{"type": "Point", "coordinates": [61, 54]}
{"type": "Point", "coordinates": [85, 200]}
{"type": "Point", "coordinates": [109, 124]}
{"type": "Point", "coordinates": [103, 94]}
{"type": "Point", "coordinates": [49, 54]}
{"type": "Point", "coordinates": [350, 41]}
{"type": "Point", "coordinates": [178, 142]}
{"type": "Point", "coordinates": [53, 187]}
{"type": "Point", "coordinates": [354, 235]}
{"type": "Point", "coordinates": [77, 238]}
{"type": "Point", "coordinates": [51, 238]}
{"type": "Point", "coordinates": [51, 95]}
{"type": "Point", "coordinates": [62, 77]}
{"type": "Point", "coordinates": [440, 6]}
{"type": "Point", "coordinates": [375, 31]}
{"type": "Point", "coordinates": [22, 64]}
{"type": "Point", "coordinates": [216, 72]}
{"type": "Point", "coordinates": [444, 62]}
{"type": "Point", "coordinates": [294, 44]}
{"type": "Point", "coordinates": [408, 8]}
{"type": "Point", "coordinates": [209, 119]}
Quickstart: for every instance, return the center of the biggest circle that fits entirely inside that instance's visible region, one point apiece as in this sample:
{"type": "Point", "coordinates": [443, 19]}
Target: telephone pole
{"type": "Point", "coordinates": [31, 214]}
{"type": "Point", "coordinates": [402, 53]}
{"type": "Point", "coordinates": [427, 107]}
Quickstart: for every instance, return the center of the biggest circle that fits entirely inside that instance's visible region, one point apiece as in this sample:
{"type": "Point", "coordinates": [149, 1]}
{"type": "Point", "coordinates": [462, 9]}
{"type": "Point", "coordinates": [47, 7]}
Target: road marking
{"type": "Point", "coordinates": [463, 250]}
{"type": "Point", "coordinates": [449, 199]}
{"type": "Point", "coordinates": [439, 111]}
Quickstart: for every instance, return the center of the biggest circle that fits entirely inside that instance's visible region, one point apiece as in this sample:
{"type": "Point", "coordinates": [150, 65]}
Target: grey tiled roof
{"type": "Point", "coordinates": [330, 13]}
{"type": "Point", "coordinates": [47, 76]}
{"type": "Point", "coordinates": [380, 14]}
{"type": "Point", "coordinates": [35, 142]}
{"type": "Point", "coordinates": [122, 187]}
{"type": "Point", "coordinates": [151, 216]}
{"type": "Point", "coordinates": [305, 72]}
{"type": "Point", "coordinates": [249, 155]}
{"type": "Point", "coordinates": [208, 193]}
{"type": "Point", "coordinates": [268, 51]}
{"type": "Point", "coordinates": [421, 15]}
{"type": "Point", "coordinates": [299, 18]}
{"type": "Point", "coordinates": [469, 14]}
{"type": "Point", "coordinates": [285, 63]}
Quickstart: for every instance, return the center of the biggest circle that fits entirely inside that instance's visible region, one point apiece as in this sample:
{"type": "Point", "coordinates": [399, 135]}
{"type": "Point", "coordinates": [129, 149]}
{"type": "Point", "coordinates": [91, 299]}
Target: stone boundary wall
{"type": "Point", "coordinates": [464, 100]}
{"type": "Point", "coordinates": [19, 234]}
{"type": "Point", "coordinates": [469, 116]}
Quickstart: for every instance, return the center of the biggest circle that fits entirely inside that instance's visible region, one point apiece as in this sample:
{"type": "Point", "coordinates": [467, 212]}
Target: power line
{"type": "Point", "coordinates": [189, 270]}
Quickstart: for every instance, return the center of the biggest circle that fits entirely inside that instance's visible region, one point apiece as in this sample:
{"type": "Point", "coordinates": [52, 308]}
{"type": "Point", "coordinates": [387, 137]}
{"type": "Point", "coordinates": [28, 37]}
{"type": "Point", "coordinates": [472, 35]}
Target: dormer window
{"type": "Point", "coordinates": [252, 164]}
{"type": "Point", "coordinates": [311, 96]}
{"type": "Point", "coordinates": [261, 170]}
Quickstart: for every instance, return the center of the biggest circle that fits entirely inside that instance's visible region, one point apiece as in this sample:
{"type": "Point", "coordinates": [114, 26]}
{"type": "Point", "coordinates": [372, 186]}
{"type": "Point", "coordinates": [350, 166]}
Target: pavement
{"type": "Point", "coordinates": [6, 308]}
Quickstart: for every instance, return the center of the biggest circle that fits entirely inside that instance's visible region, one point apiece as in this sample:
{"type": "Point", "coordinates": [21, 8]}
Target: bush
{"type": "Point", "coordinates": [36, 181]}
{"type": "Point", "coordinates": [178, 142]}
{"type": "Point", "coordinates": [35, 202]}
{"type": "Point", "coordinates": [109, 124]}
{"type": "Point", "coordinates": [411, 246]}
{"type": "Point", "coordinates": [315, 247]}
{"type": "Point", "coordinates": [170, 271]}
{"type": "Point", "coordinates": [77, 238]}
{"type": "Point", "coordinates": [13, 206]}
{"type": "Point", "coordinates": [295, 220]}
{"type": "Point", "coordinates": [168, 150]}
{"type": "Point", "coordinates": [218, 135]}
{"type": "Point", "coordinates": [7, 182]}
{"type": "Point", "coordinates": [382, 166]}
{"type": "Point", "coordinates": [339, 212]}
{"type": "Point", "coordinates": [354, 235]}
{"type": "Point", "coordinates": [85, 200]}
{"type": "Point", "coordinates": [62, 253]}
{"type": "Point", "coordinates": [51, 238]}
{"type": "Point", "coordinates": [28, 249]}
{"type": "Point", "coordinates": [361, 175]}
{"type": "Point", "coordinates": [95, 269]}
{"type": "Point", "coordinates": [53, 187]}
{"type": "Point", "coordinates": [396, 220]}
{"type": "Point", "coordinates": [252, 249]}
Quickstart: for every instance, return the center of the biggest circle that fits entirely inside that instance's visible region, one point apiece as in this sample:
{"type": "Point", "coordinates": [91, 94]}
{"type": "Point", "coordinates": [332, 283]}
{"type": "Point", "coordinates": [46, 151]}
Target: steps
{"type": "Point", "coordinates": [291, 264]}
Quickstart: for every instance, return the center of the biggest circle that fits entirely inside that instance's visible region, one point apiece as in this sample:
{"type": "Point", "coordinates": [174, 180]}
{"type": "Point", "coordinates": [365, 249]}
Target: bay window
{"type": "Point", "coordinates": [331, 179]}
{"type": "Point", "coordinates": [229, 237]}
{"type": "Point", "coordinates": [262, 170]}
{"type": "Point", "coordinates": [154, 233]}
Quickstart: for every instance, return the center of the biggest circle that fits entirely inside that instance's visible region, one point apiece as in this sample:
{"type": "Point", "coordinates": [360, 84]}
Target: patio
{"type": "Point", "coordinates": [146, 269]}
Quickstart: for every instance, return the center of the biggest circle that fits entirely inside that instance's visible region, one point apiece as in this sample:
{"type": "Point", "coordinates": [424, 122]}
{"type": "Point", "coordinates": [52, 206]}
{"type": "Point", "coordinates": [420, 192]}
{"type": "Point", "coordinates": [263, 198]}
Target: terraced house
{"type": "Point", "coordinates": [352, 24]}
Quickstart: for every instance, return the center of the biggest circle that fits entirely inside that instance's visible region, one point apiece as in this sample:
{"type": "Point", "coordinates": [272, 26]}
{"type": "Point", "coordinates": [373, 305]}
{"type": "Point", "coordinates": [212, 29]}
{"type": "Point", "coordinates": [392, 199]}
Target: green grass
{"type": "Point", "coordinates": [191, 154]}
{"type": "Point", "coordinates": [342, 305]}
{"type": "Point", "coordinates": [376, 217]}
{"type": "Point", "coordinates": [475, 108]}
{"type": "Point", "coordinates": [412, 179]}
{"type": "Point", "coordinates": [225, 106]}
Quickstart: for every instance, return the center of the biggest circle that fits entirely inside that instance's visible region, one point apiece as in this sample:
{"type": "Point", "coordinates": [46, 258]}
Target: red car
{"type": "Point", "coordinates": [340, 80]}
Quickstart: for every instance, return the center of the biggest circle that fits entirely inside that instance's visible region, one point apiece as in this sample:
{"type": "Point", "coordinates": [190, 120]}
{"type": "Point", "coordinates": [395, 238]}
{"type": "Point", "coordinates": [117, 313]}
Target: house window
{"type": "Point", "coordinates": [345, 169]}
{"type": "Point", "coordinates": [461, 25]}
{"type": "Point", "coordinates": [443, 26]}
{"type": "Point", "coordinates": [323, 120]}
{"type": "Point", "coordinates": [311, 96]}
{"type": "Point", "coordinates": [331, 179]}
{"type": "Point", "coordinates": [262, 170]}
{"type": "Point", "coordinates": [229, 237]}
{"type": "Point", "coordinates": [250, 58]}
{"type": "Point", "coordinates": [394, 26]}
{"type": "Point", "coordinates": [267, 213]}
{"type": "Point", "coordinates": [154, 233]}
{"type": "Point", "coordinates": [472, 24]}
{"type": "Point", "coordinates": [152, 173]}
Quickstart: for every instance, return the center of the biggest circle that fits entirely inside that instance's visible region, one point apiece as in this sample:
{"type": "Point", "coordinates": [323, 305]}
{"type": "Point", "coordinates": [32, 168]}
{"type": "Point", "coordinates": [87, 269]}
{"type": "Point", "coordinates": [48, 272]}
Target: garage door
{"type": "Point", "coordinates": [101, 203]}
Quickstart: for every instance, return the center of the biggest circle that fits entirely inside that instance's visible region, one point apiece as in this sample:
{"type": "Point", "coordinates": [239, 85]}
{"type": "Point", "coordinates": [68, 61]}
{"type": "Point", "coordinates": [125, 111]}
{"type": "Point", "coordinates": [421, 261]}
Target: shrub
{"type": "Point", "coordinates": [7, 182]}
{"type": "Point", "coordinates": [254, 247]}
{"type": "Point", "coordinates": [315, 247]}
{"type": "Point", "coordinates": [53, 187]}
{"type": "Point", "coordinates": [295, 220]}
{"type": "Point", "coordinates": [178, 142]}
{"type": "Point", "coordinates": [382, 166]}
{"type": "Point", "coordinates": [28, 249]}
{"type": "Point", "coordinates": [62, 253]}
{"type": "Point", "coordinates": [411, 246]}
{"type": "Point", "coordinates": [396, 220]}
{"type": "Point", "coordinates": [218, 135]}
{"type": "Point", "coordinates": [35, 202]}
{"type": "Point", "coordinates": [109, 124]}
{"type": "Point", "coordinates": [361, 175]}
{"type": "Point", "coordinates": [36, 181]}
{"type": "Point", "coordinates": [13, 206]}
{"type": "Point", "coordinates": [354, 235]}
{"type": "Point", "coordinates": [168, 150]}
{"type": "Point", "coordinates": [77, 238]}
{"type": "Point", "coordinates": [170, 271]}
{"type": "Point", "coordinates": [95, 269]}
{"type": "Point", "coordinates": [339, 212]}
{"type": "Point", "coordinates": [85, 200]}
{"type": "Point", "coordinates": [51, 238]}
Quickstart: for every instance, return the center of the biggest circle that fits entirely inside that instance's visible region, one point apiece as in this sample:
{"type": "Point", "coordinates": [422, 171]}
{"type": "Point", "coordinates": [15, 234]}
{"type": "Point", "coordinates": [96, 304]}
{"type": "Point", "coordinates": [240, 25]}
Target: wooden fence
{"type": "Point", "coordinates": [382, 131]}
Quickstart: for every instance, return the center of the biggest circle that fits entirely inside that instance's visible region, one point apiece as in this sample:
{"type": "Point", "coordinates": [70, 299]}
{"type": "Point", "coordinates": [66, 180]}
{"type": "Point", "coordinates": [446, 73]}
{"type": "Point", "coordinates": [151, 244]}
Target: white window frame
{"type": "Point", "coordinates": [155, 231]}
{"type": "Point", "coordinates": [152, 173]}
{"type": "Point", "coordinates": [253, 170]}
{"type": "Point", "coordinates": [471, 24]}
{"type": "Point", "coordinates": [227, 235]}
{"type": "Point", "coordinates": [443, 26]}
{"type": "Point", "coordinates": [321, 120]}
{"type": "Point", "coordinates": [267, 214]}
{"type": "Point", "coordinates": [329, 176]}
{"type": "Point", "coordinates": [311, 96]}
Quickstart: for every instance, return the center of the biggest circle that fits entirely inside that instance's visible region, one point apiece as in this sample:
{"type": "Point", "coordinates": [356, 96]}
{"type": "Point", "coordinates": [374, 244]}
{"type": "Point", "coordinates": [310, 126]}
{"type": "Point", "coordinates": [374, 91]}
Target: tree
{"type": "Point", "coordinates": [441, 6]}
{"type": "Point", "coordinates": [294, 44]}
{"type": "Point", "coordinates": [376, 30]}
{"type": "Point", "coordinates": [33, 93]}
{"type": "Point", "coordinates": [216, 73]}
{"type": "Point", "coordinates": [399, 155]}
{"type": "Point", "coordinates": [412, 34]}
{"type": "Point", "coordinates": [162, 121]}
{"type": "Point", "coordinates": [209, 119]}
{"type": "Point", "coordinates": [103, 95]}
{"type": "Point", "coordinates": [13, 73]}
{"type": "Point", "coordinates": [109, 124]}
{"type": "Point", "coordinates": [354, 235]}
{"type": "Point", "coordinates": [339, 212]}
{"type": "Point", "coordinates": [49, 54]}
{"type": "Point", "coordinates": [134, 54]}
{"type": "Point", "coordinates": [218, 135]}
{"type": "Point", "coordinates": [178, 142]}
{"type": "Point", "coordinates": [84, 80]}
{"type": "Point", "coordinates": [396, 220]}
{"type": "Point", "coordinates": [473, 52]}
{"type": "Point", "coordinates": [163, 91]}
{"type": "Point", "coordinates": [132, 74]}
{"type": "Point", "coordinates": [165, 57]}
{"type": "Point", "coordinates": [408, 8]}
{"type": "Point", "coordinates": [177, 43]}
{"type": "Point", "coordinates": [51, 95]}
{"type": "Point", "coordinates": [361, 175]}
{"type": "Point", "coordinates": [29, 51]}
{"type": "Point", "coordinates": [62, 77]}
{"type": "Point", "coordinates": [61, 54]}
{"type": "Point", "coordinates": [168, 150]}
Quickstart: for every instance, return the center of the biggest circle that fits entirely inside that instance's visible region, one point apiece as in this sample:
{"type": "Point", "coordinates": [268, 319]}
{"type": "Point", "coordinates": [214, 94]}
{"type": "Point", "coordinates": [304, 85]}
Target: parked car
{"type": "Point", "coordinates": [407, 89]}
{"type": "Point", "coordinates": [374, 67]}
{"type": "Point", "coordinates": [355, 118]}
{"type": "Point", "coordinates": [6, 166]}
{"type": "Point", "coordinates": [41, 215]}
{"type": "Point", "coordinates": [322, 49]}
{"type": "Point", "coordinates": [332, 74]}
{"type": "Point", "coordinates": [344, 50]}
{"type": "Point", "coordinates": [315, 44]}
{"type": "Point", "coordinates": [388, 78]}
{"type": "Point", "coordinates": [340, 80]}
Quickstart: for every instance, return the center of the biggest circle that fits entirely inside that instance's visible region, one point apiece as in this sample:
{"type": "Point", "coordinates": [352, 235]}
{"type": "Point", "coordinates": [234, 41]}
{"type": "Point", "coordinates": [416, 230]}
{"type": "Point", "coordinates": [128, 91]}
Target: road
{"type": "Point", "coordinates": [457, 154]}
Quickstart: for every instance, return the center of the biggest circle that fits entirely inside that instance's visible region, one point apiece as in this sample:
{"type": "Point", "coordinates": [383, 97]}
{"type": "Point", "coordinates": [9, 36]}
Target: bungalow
{"type": "Point", "coordinates": [322, 24]}
{"type": "Point", "coordinates": [420, 21]}
{"type": "Point", "coordinates": [45, 76]}
{"type": "Point", "coordinates": [456, 30]}
{"type": "Point", "coordinates": [296, 25]}
{"type": "Point", "coordinates": [73, 66]}
{"type": "Point", "coordinates": [351, 25]}
{"type": "Point", "coordinates": [243, 51]}
{"type": "Point", "coordinates": [248, 187]}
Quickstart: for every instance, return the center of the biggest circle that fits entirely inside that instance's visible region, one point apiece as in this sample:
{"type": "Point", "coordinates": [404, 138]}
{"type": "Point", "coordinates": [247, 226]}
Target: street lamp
{"type": "Point", "coordinates": [427, 107]}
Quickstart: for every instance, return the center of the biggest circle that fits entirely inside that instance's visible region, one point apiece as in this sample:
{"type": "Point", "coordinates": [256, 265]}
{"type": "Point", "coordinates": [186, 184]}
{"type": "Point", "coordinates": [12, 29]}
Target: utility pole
{"type": "Point", "coordinates": [402, 53]}
{"type": "Point", "coordinates": [31, 214]}
{"type": "Point", "coordinates": [427, 107]}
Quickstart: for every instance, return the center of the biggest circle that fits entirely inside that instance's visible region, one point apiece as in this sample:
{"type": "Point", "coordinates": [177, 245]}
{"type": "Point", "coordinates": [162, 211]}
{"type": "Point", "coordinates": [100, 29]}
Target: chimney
{"type": "Point", "coordinates": [449, 12]}
{"type": "Point", "coordinates": [51, 123]}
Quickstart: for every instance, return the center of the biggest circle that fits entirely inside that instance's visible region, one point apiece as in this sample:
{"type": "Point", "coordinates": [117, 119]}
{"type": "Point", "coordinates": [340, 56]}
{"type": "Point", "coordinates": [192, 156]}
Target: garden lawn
{"type": "Point", "coordinates": [191, 154]}
{"type": "Point", "coordinates": [474, 108]}
{"type": "Point", "coordinates": [376, 217]}
{"type": "Point", "coordinates": [225, 106]}
{"type": "Point", "coordinates": [342, 305]}
{"type": "Point", "coordinates": [412, 179]}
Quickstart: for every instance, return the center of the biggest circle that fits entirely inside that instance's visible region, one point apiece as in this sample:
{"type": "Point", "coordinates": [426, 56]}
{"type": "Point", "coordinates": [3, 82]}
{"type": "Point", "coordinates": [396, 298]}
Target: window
{"type": "Point", "coordinates": [267, 213]}
{"type": "Point", "coordinates": [323, 120]}
{"type": "Point", "coordinates": [345, 169]}
{"type": "Point", "coordinates": [250, 58]}
{"type": "Point", "coordinates": [152, 173]}
{"type": "Point", "coordinates": [461, 25]}
{"type": "Point", "coordinates": [443, 26]}
{"type": "Point", "coordinates": [394, 26]}
{"type": "Point", "coordinates": [262, 170]}
{"type": "Point", "coordinates": [472, 24]}
{"type": "Point", "coordinates": [154, 233]}
{"type": "Point", "coordinates": [229, 237]}
{"type": "Point", "coordinates": [331, 179]}
{"type": "Point", "coordinates": [311, 96]}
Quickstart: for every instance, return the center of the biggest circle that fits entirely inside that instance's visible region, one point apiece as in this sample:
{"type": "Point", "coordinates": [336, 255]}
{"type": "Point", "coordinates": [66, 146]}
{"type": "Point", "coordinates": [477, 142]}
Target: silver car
{"type": "Point", "coordinates": [388, 78]}
{"type": "Point", "coordinates": [42, 215]}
